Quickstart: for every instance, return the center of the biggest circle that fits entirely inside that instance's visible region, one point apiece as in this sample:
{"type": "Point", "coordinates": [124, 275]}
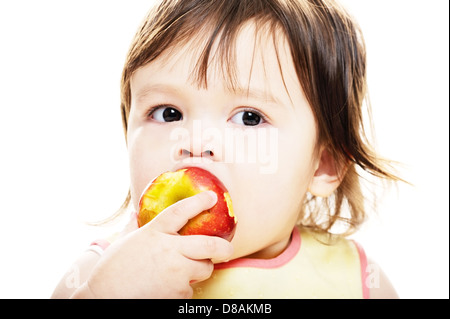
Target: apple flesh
{"type": "Point", "coordinates": [171, 187]}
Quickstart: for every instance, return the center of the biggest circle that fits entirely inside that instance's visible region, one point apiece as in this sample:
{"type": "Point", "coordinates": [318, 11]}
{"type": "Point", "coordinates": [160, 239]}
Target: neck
{"type": "Point", "coordinates": [271, 251]}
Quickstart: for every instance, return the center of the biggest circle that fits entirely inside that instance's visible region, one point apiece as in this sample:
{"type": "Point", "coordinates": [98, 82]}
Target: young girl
{"type": "Point", "coordinates": [291, 72]}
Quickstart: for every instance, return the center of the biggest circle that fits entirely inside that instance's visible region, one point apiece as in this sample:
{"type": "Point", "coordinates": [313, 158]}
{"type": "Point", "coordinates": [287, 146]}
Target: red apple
{"type": "Point", "coordinates": [170, 187]}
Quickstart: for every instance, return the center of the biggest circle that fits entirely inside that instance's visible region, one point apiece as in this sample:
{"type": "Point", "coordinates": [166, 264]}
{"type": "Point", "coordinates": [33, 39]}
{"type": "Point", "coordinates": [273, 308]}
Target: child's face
{"type": "Point", "coordinates": [268, 174]}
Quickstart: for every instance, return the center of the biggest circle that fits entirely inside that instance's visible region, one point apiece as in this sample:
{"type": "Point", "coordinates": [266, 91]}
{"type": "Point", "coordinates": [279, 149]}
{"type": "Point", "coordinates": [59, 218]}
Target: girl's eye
{"type": "Point", "coordinates": [247, 118]}
{"type": "Point", "coordinates": [166, 114]}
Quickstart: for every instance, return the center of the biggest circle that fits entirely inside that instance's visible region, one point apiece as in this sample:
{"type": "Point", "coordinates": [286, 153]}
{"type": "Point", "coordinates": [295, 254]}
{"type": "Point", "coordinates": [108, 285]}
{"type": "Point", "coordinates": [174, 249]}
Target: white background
{"type": "Point", "coordinates": [63, 157]}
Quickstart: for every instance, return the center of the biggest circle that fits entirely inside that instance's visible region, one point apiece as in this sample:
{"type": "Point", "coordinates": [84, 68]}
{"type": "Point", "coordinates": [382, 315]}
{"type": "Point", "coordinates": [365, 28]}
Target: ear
{"type": "Point", "coordinates": [327, 176]}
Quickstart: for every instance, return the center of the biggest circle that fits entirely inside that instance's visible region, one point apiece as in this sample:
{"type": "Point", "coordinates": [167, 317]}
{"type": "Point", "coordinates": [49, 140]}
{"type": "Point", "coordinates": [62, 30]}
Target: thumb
{"type": "Point", "coordinates": [174, 217]}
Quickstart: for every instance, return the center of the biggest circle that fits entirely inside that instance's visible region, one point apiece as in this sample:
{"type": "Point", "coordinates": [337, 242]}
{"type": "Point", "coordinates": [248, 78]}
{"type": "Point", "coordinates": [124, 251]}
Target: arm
{"type": "Point", "coordinates": [76, 276]}
{"type": "Point", "coordinates": [378, 283]}
{"type": "Point", "coordinates": [80, 270]}
{"type": "Point", "coordinates": [152, 261]}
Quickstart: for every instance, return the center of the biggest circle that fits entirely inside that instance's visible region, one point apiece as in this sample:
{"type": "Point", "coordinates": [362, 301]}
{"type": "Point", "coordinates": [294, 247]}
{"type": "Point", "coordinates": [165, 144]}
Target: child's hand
{"type": "Point", "coordinates": [154, 261]}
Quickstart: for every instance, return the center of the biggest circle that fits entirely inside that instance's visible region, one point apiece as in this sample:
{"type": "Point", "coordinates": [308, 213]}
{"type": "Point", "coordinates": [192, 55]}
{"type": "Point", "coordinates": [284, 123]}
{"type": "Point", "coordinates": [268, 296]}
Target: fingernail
{"type": "Point", "coordinates": [212, 195]}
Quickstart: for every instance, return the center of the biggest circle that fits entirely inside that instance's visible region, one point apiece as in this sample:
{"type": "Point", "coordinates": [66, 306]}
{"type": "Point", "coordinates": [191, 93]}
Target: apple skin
{"type": "Point", "coordinates": [170, 187]}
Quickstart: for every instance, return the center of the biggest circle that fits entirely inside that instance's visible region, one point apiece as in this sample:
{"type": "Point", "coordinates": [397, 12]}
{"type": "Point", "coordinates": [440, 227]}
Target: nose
{"type": "Point", "coordinates": [197, 144]}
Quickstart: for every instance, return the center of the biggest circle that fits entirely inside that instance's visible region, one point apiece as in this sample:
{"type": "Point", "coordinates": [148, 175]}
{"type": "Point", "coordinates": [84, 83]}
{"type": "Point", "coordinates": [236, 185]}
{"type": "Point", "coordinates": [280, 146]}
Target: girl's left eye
{"type": "Point", "coordinates": [247, 118]}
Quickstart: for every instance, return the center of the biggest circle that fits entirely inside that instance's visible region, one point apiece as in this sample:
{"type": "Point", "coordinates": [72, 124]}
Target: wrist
{"type": "Point", "coordinates": [83, 292]}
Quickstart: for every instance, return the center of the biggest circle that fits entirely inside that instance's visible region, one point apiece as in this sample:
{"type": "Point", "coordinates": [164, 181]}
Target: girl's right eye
{"type": "Point", "coordinates": [165, 114]}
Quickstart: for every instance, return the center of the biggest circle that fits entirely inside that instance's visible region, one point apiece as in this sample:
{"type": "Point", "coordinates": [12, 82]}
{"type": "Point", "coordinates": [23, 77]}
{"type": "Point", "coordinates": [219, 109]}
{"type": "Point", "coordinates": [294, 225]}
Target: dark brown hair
{"type": "Point", "coordinates": [329, 56]}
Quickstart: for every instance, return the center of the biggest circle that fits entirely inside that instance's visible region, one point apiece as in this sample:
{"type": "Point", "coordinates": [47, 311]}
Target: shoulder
{"type": "Point", "coordinates": [349, 257]}
{"type": "Point", "coordinates": [375, 283]}
{"type": "Point", "coordinates": [338, 259]}
{"type": "Point", "coordinates": [378, 283]}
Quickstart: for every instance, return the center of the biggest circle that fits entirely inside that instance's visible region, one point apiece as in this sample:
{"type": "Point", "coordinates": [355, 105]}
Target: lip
{"type": "Point", "coordinates": [205, 164]}
{"type": "Point", "coordinates": [186, 164]}
{"type": "Point", "coordinates": [198, 162]}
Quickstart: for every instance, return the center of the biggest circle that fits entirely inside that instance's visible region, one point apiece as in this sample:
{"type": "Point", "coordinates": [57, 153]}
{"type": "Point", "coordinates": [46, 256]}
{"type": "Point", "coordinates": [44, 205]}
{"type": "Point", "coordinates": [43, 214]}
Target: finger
{"type": "Point", "coordinates": [174, 217]}
{"type": "Point", "coordinates": [202, 270]}
{"type": "Point", "coordinates": [206, 247]}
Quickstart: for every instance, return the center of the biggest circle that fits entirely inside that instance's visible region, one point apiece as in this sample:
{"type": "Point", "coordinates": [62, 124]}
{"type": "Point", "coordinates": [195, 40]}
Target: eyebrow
{"type": "Point", "coordinates": [240, 92]}
{"type": "Point", "coordinates": [156, 88]}
{"type": "Point", "coordinates": [257, 94]}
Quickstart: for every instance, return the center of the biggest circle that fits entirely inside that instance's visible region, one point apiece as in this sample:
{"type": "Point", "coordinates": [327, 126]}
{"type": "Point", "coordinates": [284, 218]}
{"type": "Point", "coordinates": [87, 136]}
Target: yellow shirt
{"type": "Point", "coordinates": [308, 268]}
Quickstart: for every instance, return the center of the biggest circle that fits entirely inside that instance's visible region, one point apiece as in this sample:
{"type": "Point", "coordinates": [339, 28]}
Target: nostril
{"type": "Point", "coordinates": [185, 153]}
{"type": "Point", "coordinates": [208, 153]}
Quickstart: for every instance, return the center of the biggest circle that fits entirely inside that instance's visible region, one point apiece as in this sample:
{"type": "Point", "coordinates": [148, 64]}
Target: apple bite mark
{"type": "Point", "coordinates": [230, 206]}
{"type": "Point", "coordinates": [165, 190]}
{"type": "Point", "coordinates": [171, 187]}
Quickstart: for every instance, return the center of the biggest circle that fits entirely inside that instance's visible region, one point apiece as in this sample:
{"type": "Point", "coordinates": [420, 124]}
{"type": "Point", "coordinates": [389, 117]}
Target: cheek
{"type": "Point", "coordinates": [267, 201]}
{"type": "Point", "coordinates": [149, 156]}
{"type": "Point", "coordinates": [267, 207]}
{"type": "Point", "coordinates": [296, 160]}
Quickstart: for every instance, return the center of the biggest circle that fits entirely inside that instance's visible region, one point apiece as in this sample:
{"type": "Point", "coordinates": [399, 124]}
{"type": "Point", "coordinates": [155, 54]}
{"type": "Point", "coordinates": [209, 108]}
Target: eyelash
{"type": "Point", "coordinates": [252, 110]}
{"type": "Point", "coordinates": [153, 109]}
{"type": "Point", "coordinates": [263, 117]}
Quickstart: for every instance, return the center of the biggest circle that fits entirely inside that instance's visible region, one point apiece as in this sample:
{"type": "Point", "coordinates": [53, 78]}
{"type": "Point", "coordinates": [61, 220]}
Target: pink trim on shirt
{"type": "Point", "coordinates": [102, 243]}
{"type": "Point", "coordinates": [280, 260]}
{"type": "Point", "coordinates": [363, 264]}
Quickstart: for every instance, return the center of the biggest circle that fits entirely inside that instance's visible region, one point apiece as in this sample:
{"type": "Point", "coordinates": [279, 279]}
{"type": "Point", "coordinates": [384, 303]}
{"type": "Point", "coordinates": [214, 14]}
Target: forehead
{"type": "Point", "coordinates": [257, 61]}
